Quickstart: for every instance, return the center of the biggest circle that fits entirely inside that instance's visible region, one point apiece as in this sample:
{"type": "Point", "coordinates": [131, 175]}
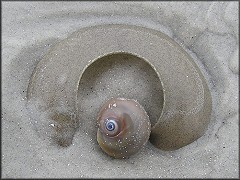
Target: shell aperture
{"type": "Point", "coordinates": [124, 127]}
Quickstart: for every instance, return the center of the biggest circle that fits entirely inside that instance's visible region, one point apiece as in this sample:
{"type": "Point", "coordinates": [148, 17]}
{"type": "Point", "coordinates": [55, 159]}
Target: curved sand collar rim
{"type": "Point", "coordinates": [187, 101]}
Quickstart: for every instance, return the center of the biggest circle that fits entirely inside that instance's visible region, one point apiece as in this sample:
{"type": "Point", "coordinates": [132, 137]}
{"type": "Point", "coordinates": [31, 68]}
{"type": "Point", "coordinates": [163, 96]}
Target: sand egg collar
{"type": "Point", "coordinates": [187, 104]}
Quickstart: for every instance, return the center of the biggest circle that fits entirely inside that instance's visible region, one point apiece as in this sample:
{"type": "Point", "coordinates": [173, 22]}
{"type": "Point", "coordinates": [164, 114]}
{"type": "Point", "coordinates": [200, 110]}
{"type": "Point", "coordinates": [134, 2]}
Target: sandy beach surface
{"type": "Point", "coordinates": [208, 31]}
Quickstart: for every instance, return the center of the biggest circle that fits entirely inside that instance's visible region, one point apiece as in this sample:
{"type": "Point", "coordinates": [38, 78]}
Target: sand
{"type": "Point", "coordinates": [207, 30]}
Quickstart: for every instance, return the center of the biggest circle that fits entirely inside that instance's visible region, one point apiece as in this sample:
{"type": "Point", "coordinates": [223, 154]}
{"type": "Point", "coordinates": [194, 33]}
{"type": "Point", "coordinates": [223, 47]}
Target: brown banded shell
{"type": "Point", "coordinates": [124, 127]}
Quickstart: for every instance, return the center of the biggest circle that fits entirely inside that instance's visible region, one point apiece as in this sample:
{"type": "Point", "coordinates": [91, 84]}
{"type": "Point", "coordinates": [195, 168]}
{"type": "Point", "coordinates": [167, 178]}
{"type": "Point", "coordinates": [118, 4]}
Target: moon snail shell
{"type": "Point", "coordinates": [124, 127]}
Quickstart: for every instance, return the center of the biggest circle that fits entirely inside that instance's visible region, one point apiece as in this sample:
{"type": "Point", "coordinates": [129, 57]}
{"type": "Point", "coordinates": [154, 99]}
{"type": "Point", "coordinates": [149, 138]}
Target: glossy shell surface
{"type": "Point", "coordinates": [124, 127]}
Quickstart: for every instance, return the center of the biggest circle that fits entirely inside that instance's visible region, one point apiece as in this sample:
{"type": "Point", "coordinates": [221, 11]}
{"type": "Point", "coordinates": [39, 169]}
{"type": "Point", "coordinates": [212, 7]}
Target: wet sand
{"type": "Point", "coordinates": [208, 31]}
